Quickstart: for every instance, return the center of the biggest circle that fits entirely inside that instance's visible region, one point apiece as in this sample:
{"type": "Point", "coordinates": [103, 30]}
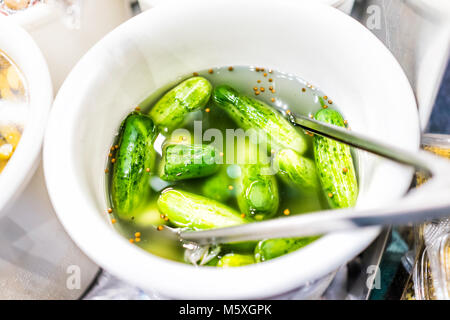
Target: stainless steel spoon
{"type": "Point", "coordinates": [431, 200]}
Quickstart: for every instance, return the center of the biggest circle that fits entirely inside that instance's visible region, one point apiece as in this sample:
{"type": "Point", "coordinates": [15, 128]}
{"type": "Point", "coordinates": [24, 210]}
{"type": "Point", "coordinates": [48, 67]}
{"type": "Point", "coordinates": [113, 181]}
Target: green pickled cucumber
{"type": "Point", "coordinates": [190, 95]}
{"type": "Point", "coordinates": [213, 262]}
{"type": "Point", "coordinates": [250, 113]}
{"type": "Point", "coordinates": [185, 209]}
{"type": "Point", "coordinates": [178, 136]}
{"type": "Point", "coordinates": [220, 186]}
{"type": "Point", "coordinates": [134, 163]}
{"type": "Point", "coordinates": [297, 170]}
{"type": "Point", "coordinates": [187, 161]}
{"type": "Point", "coordinates": [334, 164]}
{"type": "Point", "coordinates": [273, 248]}
{"type": "Point", "coordinates": [235, 260]}
{"type": "Point", "coordinates": [258, 191]}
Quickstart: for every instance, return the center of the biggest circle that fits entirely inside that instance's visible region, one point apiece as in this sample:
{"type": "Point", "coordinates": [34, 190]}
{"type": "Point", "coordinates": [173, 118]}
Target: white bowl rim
{"type": "Point", "coordinates": [128, 267]}
{"type": "Point", "coordinates": [24, 161]}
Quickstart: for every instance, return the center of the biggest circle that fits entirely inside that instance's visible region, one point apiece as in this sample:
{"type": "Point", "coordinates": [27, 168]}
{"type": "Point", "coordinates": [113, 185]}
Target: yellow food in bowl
{"type": "Point", "coordinates": [12, 91]}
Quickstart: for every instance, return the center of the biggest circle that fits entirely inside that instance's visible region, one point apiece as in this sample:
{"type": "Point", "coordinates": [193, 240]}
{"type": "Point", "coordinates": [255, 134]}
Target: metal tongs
{"type": "Point", "coordinates": [431, 200]}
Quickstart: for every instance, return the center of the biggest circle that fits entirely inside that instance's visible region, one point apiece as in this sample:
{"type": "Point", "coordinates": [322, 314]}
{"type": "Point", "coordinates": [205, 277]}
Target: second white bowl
{"type": "Point", "coordinates": [340, 56]}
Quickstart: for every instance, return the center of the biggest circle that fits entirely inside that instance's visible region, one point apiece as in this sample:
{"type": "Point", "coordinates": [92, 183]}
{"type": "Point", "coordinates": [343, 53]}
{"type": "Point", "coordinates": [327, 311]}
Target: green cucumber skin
{"type": "Point", "coordinates": [331, 158]}
{"type": "Point", "coordinates": [258, 193]}
{"type": "Point", "coordinates": [240, 247]}
{"type": "Point", "coordinates": [130, 186]}
{"type": "Point", "coordinates": [250, 113]}
{"type": "Point", "coordinates": [187, 161]}
{"type": "Point", "coordinates": [185, 209]}
{"type": "Point", "coordinates": [190, 95]}
{"type": "Point", "coordinates": [273, 248]}
{"type": "Point", "coordinates": [297, 170]}
{"type": "Point", "coordinates": [235, 260]}
{"type": "Point", "coordinates": [218, 188]}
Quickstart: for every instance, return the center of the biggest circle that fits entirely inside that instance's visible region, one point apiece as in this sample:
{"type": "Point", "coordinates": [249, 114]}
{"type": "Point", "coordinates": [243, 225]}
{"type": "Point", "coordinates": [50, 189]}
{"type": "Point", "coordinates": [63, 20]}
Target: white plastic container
{"type": "Point", "coordinates": [156, 47]}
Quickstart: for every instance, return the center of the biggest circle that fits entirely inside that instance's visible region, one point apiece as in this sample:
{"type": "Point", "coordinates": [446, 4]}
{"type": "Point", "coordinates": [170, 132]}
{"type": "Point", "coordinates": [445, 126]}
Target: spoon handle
{"type": "Point", "coordinates": [417, 206]}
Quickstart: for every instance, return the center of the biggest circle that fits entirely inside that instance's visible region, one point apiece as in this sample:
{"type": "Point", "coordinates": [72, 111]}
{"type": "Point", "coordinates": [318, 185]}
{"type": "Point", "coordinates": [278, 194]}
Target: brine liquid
{"type": "Point", "coordinates": [13, 108]}
{"type": "Point", "coordinates": [289, 92]}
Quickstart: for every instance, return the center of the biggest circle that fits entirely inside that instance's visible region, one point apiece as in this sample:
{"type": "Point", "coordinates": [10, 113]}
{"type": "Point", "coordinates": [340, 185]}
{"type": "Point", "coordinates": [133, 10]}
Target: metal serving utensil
{"type": "Point", "coordinates": [431, 200]}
